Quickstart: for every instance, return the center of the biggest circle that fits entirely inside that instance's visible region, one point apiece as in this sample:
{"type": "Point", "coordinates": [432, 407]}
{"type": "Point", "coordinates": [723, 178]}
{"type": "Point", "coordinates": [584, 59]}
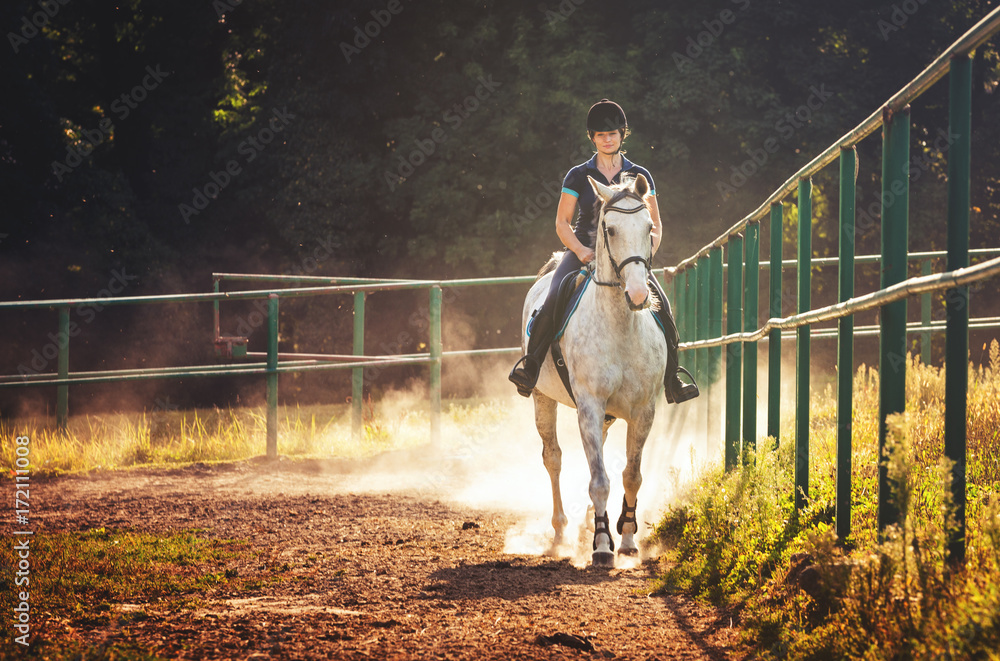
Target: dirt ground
{"type": "Point", "coordinates": [390, 575]}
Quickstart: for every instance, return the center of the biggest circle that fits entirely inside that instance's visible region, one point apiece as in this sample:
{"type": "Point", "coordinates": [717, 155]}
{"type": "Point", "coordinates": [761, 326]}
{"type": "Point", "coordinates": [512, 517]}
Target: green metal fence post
{"type": "Point", "coordinates": [925, 318]}
{"type": "Point", "coordinates": [215, 308]}
{"type": "Point", "coordinates": [701, 332]}
{"type": "Point", "coordinates": [892, 317]}
{"type": "Point", "coordinates": [750, 322]}
{"type": "Point", "coordinates": [774, 338]}
{"type": "Point", "coordinates": [62, 392]}
{"type": "Point", "coordinates": [715, 308]}
{"type": "Point", "coordinates": [845, 340]}
{"type": "Point", "coordinates": [435, 349]}
{"type": "Point", "coordinates": [957, 350]}
{"type": "Point", "coordinates": [691, 308]}
{"type": "Point", "coordinates": [675, 295]}
{"type": "Point", "coordinates": [680, 303]}
{"type": "Point", "coordinates": [272, 376]}
{"type": "Point", "coordinates": [358, 373]}
{"type": "Point", "coordinates": [675, 291]}
{"type": "Point", "coordinates": [804, 297]}
{"type": "Point", "coordinates": [714, 421]}
{"type": "Point", "coordinates": [734, 354]}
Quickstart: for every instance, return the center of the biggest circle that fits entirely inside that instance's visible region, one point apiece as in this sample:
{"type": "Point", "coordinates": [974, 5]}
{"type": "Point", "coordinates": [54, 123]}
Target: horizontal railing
{"type": "Point", "coordinates": [698, 292]}
{"type": "Point", "coordinates": [275, 363]}
{"type": "Point", "coordinates": [852, 306]}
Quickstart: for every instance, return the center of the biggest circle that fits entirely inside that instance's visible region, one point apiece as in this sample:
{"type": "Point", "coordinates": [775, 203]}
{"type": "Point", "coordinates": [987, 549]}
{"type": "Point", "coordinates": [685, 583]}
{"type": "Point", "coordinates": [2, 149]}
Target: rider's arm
{"type": "Point", "coordinates": [564, 228]}
{"type": "Point", "coordinates": [654, 213]}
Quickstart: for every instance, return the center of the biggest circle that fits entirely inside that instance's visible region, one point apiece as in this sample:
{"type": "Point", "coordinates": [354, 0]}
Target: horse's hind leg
{"type": "Point", "coordinates": [545, 421]}
{"type": "Point", "coordinates": [635, 440]}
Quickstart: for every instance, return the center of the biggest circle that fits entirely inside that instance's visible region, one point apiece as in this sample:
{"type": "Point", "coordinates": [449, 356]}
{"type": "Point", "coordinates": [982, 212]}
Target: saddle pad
{"type": "Point", "coordinates": [567, 298]}
{"type": "Point", "coordinates": [570, 292]}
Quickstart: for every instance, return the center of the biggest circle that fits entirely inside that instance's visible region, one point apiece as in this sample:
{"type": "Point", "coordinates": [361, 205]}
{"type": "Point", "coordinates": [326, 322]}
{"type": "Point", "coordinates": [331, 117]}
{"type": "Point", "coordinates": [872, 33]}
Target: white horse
{"type": "Point", "coordinates": [616, 356]}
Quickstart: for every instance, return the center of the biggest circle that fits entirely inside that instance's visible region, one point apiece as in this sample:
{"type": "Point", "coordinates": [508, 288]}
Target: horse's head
{"type": "Point", "coordinates": [624, 242]}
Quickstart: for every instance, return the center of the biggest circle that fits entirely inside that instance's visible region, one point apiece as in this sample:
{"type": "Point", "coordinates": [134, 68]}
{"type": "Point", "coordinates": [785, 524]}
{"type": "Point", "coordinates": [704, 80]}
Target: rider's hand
{"type": "Point", "coordinates": [586, 255]}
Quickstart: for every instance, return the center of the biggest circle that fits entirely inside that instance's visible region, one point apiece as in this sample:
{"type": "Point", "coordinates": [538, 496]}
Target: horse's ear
{"type": "Point", "coordinates": [641, 186]}
{"type": "Point", "coordinates": [602, 191]}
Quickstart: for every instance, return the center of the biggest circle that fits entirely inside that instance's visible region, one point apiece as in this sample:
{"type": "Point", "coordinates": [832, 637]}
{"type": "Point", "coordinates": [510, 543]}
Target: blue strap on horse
{"type": "Point", "coordinates": [567, 300]}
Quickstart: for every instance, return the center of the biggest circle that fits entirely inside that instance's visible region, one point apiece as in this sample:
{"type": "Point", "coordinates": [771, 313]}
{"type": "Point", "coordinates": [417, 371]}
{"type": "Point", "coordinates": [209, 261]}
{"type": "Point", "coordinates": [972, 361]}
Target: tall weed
{"type": "Point", "coordinates": [160, 437]}
{"type": "Point", "coordinates": [804, 594]}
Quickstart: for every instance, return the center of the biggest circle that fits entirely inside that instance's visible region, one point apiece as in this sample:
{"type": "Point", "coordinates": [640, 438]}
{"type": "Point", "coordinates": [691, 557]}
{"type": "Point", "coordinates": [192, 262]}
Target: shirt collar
{"type": "Point", "coordinates": [626, 164]}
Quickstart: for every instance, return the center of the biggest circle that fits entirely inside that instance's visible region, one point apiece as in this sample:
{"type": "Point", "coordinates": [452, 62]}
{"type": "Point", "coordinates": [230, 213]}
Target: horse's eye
{"type": "Point", "coordinates": [611, 231]}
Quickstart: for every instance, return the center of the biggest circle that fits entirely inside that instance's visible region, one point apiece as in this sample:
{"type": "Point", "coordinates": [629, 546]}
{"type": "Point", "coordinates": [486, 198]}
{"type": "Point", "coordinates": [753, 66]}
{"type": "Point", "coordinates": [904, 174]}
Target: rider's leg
{"type": "Point", "coordinates": [675, 390]}
{"type": "Point", "coordinates": [525, 372]}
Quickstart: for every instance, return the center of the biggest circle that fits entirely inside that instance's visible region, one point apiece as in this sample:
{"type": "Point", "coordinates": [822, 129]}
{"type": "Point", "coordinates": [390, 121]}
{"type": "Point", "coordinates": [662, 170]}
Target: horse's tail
{"type": "Point", "coordinates": [550, 265]}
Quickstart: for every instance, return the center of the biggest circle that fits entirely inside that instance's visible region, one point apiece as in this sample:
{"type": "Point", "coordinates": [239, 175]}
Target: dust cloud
{"type": "Point", "coordinates": [489, 457]}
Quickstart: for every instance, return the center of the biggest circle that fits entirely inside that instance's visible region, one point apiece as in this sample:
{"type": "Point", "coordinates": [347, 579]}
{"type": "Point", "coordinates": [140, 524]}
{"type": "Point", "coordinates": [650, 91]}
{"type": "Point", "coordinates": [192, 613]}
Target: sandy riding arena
{"type": "Point", "coordinates": [347, 560]}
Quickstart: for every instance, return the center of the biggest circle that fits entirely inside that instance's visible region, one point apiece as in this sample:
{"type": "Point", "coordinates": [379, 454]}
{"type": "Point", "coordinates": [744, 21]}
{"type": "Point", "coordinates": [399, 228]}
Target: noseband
{"type": "Point", "coordinates": [628, 260]}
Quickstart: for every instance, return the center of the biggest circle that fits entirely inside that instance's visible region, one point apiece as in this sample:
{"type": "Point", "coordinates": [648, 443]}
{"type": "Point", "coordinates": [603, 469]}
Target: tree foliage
{"type": "Point", "coordinates": [433, 146]}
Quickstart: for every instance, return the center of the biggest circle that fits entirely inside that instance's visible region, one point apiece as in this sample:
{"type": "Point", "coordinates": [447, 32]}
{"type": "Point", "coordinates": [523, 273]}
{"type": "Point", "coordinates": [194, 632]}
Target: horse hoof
{"type": "Point", "coordinates": [603, 560]}
{"type": "Point", "coordinates": [628, 552]}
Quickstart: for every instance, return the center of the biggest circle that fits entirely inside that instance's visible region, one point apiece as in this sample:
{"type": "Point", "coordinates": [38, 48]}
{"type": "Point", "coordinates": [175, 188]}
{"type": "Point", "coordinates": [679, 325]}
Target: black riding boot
{"type": "Point", "coordinates": [675, 390]}
{"type": "Point", "coordinates": [525, 372]}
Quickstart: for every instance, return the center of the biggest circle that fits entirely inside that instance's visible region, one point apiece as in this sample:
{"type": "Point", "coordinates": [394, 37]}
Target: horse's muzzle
{"type": "Point", "coordinates": [641, 306]}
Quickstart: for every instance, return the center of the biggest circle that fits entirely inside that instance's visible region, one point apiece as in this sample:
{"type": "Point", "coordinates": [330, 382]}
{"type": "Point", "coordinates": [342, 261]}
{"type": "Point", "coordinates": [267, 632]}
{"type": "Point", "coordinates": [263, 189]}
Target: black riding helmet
{"type": "Point", "coordinates": [606, 115]}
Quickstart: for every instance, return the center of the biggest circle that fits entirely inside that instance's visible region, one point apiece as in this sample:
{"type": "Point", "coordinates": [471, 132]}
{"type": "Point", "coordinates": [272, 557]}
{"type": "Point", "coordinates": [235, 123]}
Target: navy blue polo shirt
{"type": "Point", "coordinates": [576, 184]}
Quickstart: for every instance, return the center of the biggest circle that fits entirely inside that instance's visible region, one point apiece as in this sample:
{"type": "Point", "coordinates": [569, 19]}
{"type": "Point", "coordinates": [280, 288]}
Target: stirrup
{"type": "Point", "coordinates": [677, 391]}
{"type": "Point", "coordinates": [520, 377]}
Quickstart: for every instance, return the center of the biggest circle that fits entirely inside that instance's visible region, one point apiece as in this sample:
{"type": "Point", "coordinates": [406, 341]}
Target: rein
{"type": "Point", "coordinates": [628, 260]}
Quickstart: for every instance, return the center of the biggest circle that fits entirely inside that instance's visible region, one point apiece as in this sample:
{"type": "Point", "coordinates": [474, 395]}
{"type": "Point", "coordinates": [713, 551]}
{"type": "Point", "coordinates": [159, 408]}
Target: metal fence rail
{"type": "Point", "coordinates": [852, 306]}
{"type": "Point", "coordinates": [274, 363]}
{"type": "Point", "coordinates": [704, 269]}
{"type": "Point", "coordinates": [289, 362]}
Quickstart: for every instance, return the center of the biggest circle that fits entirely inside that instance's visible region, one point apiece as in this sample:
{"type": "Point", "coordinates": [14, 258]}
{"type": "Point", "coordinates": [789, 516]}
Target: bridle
{"type": "Point", "coordinates": [628, 260]}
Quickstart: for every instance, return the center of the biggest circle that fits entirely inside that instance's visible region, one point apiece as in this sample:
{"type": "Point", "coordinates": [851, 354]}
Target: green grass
{"type": "Point", "coordinates": [79, 581]}
{"type": "Point", "coordinates": [732, 540]}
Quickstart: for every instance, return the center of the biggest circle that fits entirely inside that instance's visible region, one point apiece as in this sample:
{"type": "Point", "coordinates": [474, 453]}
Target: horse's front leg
{"type": "Point", "coordinates": [545, 421]}
{"type": "Point", "coordinates": [604, 439]}
{"type": "Point", "coordinates": [591, 418]}
{"type": "Point", "coordinates": [635, 440]}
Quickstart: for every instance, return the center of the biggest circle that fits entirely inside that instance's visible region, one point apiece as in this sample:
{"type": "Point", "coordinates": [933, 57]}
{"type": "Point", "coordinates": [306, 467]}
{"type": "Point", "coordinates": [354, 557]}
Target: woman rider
{"type": "Point", "coordinates": [607, 128]}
